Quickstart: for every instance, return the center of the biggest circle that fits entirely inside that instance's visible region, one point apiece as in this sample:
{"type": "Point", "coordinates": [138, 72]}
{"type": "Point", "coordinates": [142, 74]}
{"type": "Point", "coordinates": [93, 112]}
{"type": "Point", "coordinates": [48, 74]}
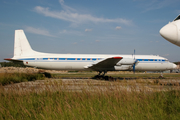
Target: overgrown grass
{"type": "Point", "coordinates": [90, 105]}
{"type": "Point", "coordinates": [97, 102]}
{"type": "Point", "coordinates": [8, 78]}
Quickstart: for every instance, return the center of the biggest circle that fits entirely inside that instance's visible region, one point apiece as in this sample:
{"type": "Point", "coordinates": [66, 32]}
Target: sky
{"type": "Point", "coordinates": [89, 26]}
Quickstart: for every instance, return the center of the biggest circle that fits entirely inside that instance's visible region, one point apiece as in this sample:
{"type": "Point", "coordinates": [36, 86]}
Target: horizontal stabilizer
{"type": "Point", "coordinates": [13, 60]}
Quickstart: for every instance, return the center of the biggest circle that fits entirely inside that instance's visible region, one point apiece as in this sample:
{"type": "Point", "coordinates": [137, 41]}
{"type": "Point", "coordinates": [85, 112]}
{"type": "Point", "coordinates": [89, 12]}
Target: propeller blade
{"type": "Point", "coordinates": [134, 69]}
{"type": "Point", "coordinates": [134, 66]}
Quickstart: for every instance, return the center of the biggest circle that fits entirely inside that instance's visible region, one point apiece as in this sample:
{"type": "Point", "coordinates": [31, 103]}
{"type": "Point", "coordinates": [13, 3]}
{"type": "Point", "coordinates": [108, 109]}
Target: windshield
{"type": "Point", "coordinates": [177, 18]}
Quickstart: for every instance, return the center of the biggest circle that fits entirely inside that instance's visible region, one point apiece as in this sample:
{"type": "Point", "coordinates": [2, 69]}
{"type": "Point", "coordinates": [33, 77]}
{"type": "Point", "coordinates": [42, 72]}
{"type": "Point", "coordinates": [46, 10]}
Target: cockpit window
{"type": "Point", "coordinates": [177, 18]}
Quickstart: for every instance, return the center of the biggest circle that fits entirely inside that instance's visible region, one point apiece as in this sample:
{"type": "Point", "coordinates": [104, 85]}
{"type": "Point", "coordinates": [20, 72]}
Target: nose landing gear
{"type": "Point", "coordinates": [161, 76]}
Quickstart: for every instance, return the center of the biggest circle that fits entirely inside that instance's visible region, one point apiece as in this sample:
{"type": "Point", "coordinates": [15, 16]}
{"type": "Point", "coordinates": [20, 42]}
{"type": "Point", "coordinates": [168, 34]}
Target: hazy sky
{"type": "Point", "coordinates": [89, 26]}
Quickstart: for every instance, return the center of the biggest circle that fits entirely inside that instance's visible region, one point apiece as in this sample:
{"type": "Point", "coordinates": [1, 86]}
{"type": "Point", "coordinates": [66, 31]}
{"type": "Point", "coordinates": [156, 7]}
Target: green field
{"type": "Point", "coordinates": [116, 104]}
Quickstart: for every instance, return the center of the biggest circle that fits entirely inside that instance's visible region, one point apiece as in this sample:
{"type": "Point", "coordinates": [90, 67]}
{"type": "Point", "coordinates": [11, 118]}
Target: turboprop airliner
{"type": "Point", "coordinates": [23, 53]}
{"type": "Point", "coordinates": [171, 31]}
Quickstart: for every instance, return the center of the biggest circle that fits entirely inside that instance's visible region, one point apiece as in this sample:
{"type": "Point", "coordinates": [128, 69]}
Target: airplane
{"type": "Point", "coordinates": [171, 31]}
{"type": "Point", "coordinates": [102, 63]}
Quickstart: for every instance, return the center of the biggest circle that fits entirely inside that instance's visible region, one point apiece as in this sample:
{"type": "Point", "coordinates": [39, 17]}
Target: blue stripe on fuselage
{"type": "Point", "coordinates": [84, 60]}
{"type": "Point", "coordinates": [27, 59]}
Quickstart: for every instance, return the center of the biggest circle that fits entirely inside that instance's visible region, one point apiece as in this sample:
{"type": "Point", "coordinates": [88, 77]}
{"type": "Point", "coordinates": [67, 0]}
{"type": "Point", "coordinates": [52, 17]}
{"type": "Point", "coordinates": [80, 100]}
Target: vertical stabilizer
{"type": "Point", "coordinates": [22, 47]}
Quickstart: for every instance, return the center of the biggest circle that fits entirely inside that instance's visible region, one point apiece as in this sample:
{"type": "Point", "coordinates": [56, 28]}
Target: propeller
{"type": "Point", "coordinates": [134, 68]}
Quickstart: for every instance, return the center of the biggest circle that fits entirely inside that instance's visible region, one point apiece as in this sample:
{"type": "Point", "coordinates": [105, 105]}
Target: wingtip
{"type": "Point", "coordinates": [117, 57]}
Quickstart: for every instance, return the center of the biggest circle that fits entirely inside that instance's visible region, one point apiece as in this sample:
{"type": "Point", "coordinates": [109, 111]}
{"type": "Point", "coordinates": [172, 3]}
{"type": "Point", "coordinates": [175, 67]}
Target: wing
{"type": "Point", "coordinates": [104, 63]}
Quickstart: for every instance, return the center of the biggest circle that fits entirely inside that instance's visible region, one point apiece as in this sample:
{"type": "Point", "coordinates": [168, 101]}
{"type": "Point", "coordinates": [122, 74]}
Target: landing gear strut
{"type": "Point", "coordinates": [101, 76]}
{"type": "Point", "coordinates": [104, 72]}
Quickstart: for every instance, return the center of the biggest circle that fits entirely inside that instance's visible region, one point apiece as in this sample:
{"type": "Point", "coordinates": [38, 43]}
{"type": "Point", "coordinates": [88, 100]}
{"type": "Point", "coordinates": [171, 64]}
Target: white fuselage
{"type": "Point", "coordinates": [79, 61]}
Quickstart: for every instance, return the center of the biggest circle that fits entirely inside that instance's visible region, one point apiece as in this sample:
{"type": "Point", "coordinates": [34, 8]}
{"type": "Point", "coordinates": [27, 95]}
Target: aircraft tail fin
{"type": "Point", "coordinates": [22, 47]}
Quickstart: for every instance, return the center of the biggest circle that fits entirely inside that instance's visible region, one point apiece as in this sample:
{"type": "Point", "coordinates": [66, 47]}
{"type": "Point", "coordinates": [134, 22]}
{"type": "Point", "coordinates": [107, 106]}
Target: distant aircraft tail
{"type": "Point", "coordinates": [22, 47]}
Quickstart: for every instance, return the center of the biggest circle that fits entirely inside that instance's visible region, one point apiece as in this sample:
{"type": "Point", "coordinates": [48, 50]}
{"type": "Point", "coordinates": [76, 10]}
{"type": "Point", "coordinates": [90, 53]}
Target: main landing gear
{"type": "Point", "coordinates": [101, 76]}
{"type": "Point", "coordinates": [100, 72]}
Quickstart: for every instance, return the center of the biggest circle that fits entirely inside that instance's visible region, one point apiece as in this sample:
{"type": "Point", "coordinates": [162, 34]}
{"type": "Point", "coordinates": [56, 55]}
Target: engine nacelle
{"type": "Point", "coordinates": [126, 61]}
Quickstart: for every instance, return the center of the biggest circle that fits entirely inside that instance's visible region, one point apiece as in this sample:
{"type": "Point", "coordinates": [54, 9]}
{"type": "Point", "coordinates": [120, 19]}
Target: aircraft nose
{"type": "Point", "coordinates": [169, 32]}
{"type": "Point", "coordinates": [174, 66]}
